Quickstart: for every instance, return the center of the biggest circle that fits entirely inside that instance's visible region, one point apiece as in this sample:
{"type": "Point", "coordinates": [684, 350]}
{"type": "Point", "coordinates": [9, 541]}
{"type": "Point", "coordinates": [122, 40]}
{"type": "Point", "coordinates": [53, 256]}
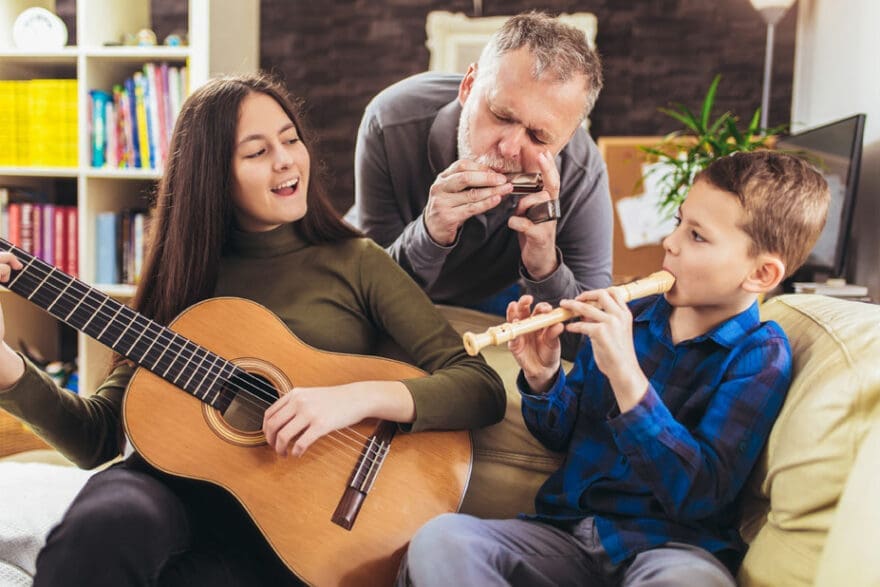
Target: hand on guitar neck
{"type": "Point", "coordinates": [11, 365]}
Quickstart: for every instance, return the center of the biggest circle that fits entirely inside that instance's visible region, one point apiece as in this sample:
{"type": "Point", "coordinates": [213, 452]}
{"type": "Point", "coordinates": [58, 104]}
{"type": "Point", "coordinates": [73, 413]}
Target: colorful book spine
{"type": "Point", "coordinates": [130, 93]}
{"type": "Point", "coordinates": [47, 211]}
{"type": "Point", "coordinates": [26, 224]}
{"type": "Point", "coordinates": [98, 135]}
{"type": "Point", "coordinates": [71, 232]}
{"type": "Point", "coordinates": [106, 264]}
{"type": "Point", "coordinates": [60, 242]}
{"type": "Point", "coordinates": [4, 212]}
{"type": "Point", "coordinates": [142, 103]}
{"type": "Point", "coordinates": [14, 213]}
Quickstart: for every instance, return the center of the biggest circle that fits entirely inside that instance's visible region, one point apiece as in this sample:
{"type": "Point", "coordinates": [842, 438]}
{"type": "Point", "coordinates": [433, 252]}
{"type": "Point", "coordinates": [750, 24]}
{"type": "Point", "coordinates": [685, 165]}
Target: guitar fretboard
{"type": "Point", "coordinates": [157, 348]}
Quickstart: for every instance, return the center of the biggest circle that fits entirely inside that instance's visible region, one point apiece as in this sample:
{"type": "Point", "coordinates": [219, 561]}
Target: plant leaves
{"type": "Point", "coordinates": [709, 101]}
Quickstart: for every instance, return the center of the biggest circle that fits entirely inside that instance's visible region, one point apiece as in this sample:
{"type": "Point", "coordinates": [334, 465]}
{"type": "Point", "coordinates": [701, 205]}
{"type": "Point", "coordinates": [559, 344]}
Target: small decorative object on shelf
{"type": "Point", "coordinates": [146, 38]}
{"type": "Point", "coordinates": [176, 39]}
{"type": "Point", "coordinates": [37, 29]}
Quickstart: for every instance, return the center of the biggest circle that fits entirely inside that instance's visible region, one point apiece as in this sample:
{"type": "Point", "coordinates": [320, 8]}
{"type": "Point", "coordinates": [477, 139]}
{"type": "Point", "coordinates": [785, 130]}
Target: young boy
{"type": "Point", "coordinates": [666, 409]}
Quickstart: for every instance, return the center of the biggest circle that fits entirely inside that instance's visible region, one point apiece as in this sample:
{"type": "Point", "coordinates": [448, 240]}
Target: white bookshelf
{"type": "Point", "coordinates": [223, 39]}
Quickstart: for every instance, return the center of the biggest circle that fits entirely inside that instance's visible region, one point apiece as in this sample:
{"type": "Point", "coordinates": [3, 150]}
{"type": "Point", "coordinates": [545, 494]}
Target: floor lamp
{"type": "Point", "coordinates": [772, 12]}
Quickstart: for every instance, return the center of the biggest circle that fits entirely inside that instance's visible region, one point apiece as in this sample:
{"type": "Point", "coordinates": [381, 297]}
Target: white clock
{"type": "Point", "coordinates": [37, 29]}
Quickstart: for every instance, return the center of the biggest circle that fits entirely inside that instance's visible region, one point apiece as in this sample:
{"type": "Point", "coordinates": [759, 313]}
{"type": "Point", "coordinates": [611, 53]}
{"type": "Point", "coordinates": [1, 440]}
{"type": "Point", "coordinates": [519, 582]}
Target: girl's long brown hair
{"type": "Point", "coordinates": [193, 216]}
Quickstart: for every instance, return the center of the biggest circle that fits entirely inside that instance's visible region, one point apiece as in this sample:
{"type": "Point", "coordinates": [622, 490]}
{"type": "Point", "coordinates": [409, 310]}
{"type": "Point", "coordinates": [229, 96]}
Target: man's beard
{"type": "Point", "coordinates": [465, 151]}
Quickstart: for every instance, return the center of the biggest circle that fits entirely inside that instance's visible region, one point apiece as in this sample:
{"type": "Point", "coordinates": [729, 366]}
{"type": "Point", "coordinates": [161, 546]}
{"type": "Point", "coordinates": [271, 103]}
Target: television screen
{"type": "Point", "coordinates": [836, 150]}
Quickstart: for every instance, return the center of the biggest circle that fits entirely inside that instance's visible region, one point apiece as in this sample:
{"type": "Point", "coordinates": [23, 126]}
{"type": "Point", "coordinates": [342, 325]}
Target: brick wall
{"type": "Point", "coordinates": [338, 53]}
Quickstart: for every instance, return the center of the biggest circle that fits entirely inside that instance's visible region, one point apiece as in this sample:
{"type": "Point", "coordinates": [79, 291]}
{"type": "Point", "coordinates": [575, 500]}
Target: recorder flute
{"type": "Point", "coordinates": [658, 282]}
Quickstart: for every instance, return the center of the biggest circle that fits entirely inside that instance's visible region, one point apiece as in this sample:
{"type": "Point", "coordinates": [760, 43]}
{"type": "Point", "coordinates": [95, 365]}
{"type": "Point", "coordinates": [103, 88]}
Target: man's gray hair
{"type": "Point", "coordinates": [558, 49]}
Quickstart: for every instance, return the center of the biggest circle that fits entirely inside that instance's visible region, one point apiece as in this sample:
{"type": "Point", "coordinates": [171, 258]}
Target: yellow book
{"type": "Point", "coordinates": [141, 113]}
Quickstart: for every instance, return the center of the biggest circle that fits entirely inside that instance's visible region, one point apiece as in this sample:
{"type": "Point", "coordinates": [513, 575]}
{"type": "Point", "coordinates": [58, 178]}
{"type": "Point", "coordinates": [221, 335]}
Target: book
{"type": "Point", "coordinates": [99, 99]}
{"type": "Point", "coordinates": [106, 268]}
{"type": "Point", "coordinates": [130, 99]}
{"type": "Point", "coordinates": [834, 288]}
{"type": "Point", "coordinates": [13, 212]}
{"type": "Point", "coordinates": [4, 212]}
{"type": "Point", "coordinates": [26, 227]}
{"type": "Point", "coordinates": [60, 238]}
{"type": "Point", "coordinates": [48, 222]}
{"type": "Point", "coordinates": [72, 249]}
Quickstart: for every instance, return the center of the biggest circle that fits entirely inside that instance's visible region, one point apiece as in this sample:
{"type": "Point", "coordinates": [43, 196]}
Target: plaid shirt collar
{"type": "Point", "coordinates": [726, 334]}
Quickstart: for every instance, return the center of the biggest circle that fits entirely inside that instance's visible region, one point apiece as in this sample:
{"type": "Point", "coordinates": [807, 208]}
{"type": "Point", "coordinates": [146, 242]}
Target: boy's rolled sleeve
{"type": "Point", "coordinates": [549, 416]}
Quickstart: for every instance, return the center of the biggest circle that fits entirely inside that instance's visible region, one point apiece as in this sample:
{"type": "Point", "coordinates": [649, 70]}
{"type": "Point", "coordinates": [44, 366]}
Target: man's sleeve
{"type": "Point", "coordinates": [379, 212]}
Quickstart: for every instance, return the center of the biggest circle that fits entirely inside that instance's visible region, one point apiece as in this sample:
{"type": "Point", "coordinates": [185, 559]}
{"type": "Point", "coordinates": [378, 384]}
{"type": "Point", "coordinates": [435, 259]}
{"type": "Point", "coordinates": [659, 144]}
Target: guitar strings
{"type": "Point", "coordinates": [356, 445]}
{"type": "Point", "coordinates": [254, 386]}
{"type": "Point", "coordinates": [257, 390]}
{"type": "Point", "coordinates": [176, 343]}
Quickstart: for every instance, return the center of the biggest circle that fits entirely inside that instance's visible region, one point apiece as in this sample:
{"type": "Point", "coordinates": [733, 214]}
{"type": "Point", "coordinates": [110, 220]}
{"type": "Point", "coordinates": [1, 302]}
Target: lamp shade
{"type": "Point", "coordinates": [772, 10]}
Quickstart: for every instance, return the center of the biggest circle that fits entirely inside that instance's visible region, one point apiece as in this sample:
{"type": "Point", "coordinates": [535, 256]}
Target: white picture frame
{"type": "Point", "coordinates": [455, 40]}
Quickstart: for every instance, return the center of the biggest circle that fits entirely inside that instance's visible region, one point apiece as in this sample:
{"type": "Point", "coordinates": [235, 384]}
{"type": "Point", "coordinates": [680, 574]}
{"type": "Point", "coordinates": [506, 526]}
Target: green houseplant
{"type": "Point", "coordinates": [684, 153]}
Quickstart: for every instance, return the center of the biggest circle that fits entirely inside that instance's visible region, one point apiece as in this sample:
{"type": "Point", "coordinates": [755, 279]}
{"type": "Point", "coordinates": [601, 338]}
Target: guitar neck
{"type": "Point", "coordinates": [147, 343]}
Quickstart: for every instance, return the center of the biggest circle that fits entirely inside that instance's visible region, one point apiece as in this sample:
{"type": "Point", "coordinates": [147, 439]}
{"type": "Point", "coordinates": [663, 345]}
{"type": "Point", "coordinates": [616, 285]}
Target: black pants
{"type": "Point", "coordinates": [132, 525]}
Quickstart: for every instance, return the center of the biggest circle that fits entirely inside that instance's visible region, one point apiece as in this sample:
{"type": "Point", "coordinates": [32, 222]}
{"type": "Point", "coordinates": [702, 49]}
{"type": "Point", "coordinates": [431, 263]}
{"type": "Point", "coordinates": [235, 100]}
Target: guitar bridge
{"type": "Point", "coordinates": [364, 475]}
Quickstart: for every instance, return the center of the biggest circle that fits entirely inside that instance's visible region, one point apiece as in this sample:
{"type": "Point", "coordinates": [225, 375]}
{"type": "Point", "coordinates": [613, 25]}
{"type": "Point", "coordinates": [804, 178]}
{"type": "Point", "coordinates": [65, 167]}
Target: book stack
{"type": "Point", "coordinates": [835, 288]}
{"type": "Point", "coordinates": [131, 126]}
{"type": "Point", "coordinates": [47, 231]}
{"type": "Point", "coordinates": [38, 123]}
{"type": "Point", "coordinates": [121, 239]}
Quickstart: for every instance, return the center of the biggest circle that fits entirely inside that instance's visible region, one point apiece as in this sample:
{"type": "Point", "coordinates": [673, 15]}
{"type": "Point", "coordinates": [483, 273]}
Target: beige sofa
{"type": "Point", "coordinates": [812, 514]}
{"type": "Point", "coordinates": [811, 509]}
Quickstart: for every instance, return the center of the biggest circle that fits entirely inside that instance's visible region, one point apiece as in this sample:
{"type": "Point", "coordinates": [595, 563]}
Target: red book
{"type": "Point", "coordinates": [60, 240]}
{"type": "Point", "coordinates": [26, 227]}
{"type": "Point", "coordinates": [37, 231]}
{"type": "Point", "coordinates": [14, 211]}
{"type": "Point", "coordinates": [72, 241]}
{"type": "Point", "coordinates": [48, 213]}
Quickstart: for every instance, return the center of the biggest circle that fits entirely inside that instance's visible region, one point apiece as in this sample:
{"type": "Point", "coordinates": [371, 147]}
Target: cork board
{"type": "Point", "coordinates": [624, 161]}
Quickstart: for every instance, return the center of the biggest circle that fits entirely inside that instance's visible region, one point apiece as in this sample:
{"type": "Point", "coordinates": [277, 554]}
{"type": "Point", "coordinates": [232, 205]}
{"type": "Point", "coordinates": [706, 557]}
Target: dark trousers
{"type": "Point", "coordinates": [132, 525]}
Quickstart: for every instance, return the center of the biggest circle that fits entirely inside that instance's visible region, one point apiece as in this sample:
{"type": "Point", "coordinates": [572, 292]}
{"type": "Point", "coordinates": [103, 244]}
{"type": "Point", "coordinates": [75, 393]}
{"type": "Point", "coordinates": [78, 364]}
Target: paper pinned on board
{"type": "Point", "coordinates": [640, 217]}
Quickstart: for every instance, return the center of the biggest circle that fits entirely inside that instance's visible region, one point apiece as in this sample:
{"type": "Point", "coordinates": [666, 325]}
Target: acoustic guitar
{"type": "Point", "coordinates": [343, 513]}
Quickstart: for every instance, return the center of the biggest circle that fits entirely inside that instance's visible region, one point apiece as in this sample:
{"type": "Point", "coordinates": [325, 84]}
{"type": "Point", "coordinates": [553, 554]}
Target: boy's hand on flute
{"type": "Point", "coordinates": [605, 318]}
{"type": "Point", "coordinates": [537, 353]}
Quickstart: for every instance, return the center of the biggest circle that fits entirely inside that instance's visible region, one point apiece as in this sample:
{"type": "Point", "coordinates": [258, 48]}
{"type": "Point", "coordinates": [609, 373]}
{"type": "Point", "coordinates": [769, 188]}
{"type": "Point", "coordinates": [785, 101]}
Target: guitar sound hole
{"type": "Point", "coordinates": [249, 397]}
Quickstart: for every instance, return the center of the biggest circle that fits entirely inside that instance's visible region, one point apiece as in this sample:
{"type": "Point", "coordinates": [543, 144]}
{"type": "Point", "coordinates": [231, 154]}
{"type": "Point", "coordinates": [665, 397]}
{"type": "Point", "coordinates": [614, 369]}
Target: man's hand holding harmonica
{"type": "Point", "coordinates": [462, 190]}
{"type": "Point", "coordinates": [467, 188]}
{"type": "Point", "coordinates": [537, 241]}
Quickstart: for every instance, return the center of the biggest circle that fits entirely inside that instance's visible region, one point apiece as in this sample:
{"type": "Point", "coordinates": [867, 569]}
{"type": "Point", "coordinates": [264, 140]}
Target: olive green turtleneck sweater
{"type": "Point", "coordinates": [343, 297]}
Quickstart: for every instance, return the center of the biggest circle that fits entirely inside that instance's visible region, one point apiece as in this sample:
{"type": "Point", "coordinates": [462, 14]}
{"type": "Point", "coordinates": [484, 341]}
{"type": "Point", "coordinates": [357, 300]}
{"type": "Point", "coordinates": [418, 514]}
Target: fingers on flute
{"type": "Point", "coordinates": [520, 308]}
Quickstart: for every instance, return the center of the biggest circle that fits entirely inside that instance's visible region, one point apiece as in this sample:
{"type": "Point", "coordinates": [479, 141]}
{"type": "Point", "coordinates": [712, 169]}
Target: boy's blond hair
{"type": "Point", "coordinates": [785, 201]}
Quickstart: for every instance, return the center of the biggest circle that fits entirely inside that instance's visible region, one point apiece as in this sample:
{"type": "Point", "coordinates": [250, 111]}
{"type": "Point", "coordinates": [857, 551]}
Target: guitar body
{"type": "Point", "coordinates": [292, 500]}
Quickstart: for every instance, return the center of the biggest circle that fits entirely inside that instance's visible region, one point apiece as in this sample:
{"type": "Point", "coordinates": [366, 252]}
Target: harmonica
{"type": "Point", "coordinates": [530, 183]}
{"type": "Point", "coordinates": [525, 183]}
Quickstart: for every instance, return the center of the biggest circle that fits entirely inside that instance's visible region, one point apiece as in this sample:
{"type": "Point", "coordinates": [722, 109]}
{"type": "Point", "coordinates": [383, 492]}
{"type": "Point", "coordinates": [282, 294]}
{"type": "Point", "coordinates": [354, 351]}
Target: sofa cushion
{"type": "Point", "coordinates": [509, 464]}
{"type": "Point", "coordinates": [790, 501]}
{"type": "Point", "coordinates": [35, 497]}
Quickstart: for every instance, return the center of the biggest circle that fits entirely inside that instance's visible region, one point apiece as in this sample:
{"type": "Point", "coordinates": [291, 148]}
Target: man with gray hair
{"type": "Point", "coordinates": [430, 163]}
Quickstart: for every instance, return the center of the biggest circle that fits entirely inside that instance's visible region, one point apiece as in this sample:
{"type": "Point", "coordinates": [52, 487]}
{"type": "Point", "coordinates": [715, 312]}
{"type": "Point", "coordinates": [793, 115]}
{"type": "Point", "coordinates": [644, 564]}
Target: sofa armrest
{"type": "Point", "coordinates": [850, 554]}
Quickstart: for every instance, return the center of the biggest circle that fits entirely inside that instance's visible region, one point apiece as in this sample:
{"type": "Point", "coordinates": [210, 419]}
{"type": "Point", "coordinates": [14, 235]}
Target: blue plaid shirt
{"type": "Point", "coordinates": [670, 469]}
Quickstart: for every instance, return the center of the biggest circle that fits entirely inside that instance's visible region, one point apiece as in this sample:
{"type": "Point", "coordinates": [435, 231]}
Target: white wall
{"type": "Point", "coordinates": [836, 74]}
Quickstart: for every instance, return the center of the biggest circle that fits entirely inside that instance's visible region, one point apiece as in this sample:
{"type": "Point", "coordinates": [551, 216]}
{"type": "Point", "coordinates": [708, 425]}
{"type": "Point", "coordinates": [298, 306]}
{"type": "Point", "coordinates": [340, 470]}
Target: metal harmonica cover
{"type": "Point", "coordinates": [525, 183]}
